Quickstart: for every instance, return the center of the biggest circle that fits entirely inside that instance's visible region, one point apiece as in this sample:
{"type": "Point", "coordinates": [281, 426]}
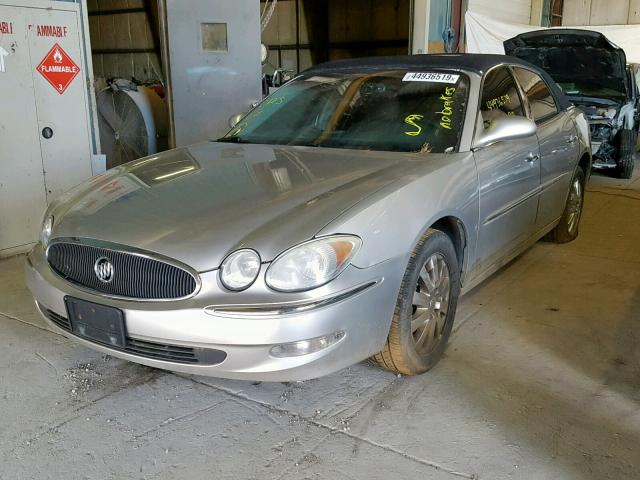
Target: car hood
{"type": "Point", "coordinates": [575, 56]}
{"type": "Point", "coordinates": [199, 203]}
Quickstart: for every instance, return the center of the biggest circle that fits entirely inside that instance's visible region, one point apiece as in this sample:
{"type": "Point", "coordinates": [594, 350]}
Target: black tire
{"type": "Point", "coordinates": [401, 353]}
{"type": "Point", "coordinates": [626, 153]}
{"type": "Point", "coordinates": [567, 231]}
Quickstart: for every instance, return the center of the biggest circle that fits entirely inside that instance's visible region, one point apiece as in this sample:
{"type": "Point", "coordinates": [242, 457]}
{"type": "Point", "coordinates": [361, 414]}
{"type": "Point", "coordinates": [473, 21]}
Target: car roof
{"type": "Point", "coordinates": [471, 62]}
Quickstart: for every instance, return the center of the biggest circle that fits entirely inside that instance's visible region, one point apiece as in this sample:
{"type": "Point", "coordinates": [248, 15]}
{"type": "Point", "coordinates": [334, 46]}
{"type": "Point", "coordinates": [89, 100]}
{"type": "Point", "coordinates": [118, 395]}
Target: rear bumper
{"type": "Point", "coordinates": [360, 306]}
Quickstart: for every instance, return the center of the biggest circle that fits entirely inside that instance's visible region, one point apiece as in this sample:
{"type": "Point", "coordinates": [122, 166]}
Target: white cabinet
{"type": "Point", "coordinates": [46, 139]}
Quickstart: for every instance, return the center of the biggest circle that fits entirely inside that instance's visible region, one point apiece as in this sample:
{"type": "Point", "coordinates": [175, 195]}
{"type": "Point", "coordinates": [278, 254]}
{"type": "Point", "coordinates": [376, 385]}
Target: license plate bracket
{"type": "Point", "coordinates": [97, 323]}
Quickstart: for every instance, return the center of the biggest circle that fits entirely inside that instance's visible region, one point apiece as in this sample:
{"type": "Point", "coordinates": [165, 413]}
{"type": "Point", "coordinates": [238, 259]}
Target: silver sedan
{"type": "Point", "coordinates": [339, 220]}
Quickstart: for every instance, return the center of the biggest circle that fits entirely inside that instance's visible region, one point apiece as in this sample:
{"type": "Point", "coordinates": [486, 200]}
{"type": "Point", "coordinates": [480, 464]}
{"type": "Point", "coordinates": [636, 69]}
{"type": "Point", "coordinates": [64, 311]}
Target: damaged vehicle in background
{"type": "Point", "coordinates": [593, 74]}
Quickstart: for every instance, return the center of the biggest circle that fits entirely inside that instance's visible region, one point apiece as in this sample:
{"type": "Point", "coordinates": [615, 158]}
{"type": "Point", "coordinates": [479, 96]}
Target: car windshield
{"type": "Point", "coordinates": [385, 110]}
{"type": "Point", "coordinates": [576, 89]}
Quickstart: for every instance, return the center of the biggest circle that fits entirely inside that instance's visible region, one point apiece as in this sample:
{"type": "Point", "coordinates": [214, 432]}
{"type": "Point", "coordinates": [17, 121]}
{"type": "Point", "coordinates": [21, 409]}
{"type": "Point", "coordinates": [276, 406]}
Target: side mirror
{"type": "Point", "coordinates": [235, 119]}
{"type": "Point", "coordinates": [505, 128]}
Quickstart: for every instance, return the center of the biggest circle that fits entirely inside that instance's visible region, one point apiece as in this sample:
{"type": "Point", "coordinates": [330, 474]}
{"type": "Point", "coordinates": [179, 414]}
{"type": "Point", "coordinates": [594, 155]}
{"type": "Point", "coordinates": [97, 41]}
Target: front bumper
{"type": "Point", "coordinates": [360, 304]}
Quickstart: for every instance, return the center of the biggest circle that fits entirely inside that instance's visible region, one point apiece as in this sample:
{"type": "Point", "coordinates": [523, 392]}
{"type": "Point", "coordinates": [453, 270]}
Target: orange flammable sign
{"type": "Point", "coordinates": [58, 68]}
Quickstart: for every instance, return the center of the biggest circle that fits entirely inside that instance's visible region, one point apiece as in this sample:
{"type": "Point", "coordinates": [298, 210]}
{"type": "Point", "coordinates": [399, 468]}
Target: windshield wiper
{"type": "Point", "coordinates": [232, 140]}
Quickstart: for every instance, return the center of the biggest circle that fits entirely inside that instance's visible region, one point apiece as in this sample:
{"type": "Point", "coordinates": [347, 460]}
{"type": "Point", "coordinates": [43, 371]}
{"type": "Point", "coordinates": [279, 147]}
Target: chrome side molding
{"type": "Point", "coordinates": [287, 308]}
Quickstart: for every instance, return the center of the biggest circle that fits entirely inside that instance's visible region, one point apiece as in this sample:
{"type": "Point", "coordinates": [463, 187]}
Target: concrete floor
{"type": "Point", "coordinates": [541, 381]}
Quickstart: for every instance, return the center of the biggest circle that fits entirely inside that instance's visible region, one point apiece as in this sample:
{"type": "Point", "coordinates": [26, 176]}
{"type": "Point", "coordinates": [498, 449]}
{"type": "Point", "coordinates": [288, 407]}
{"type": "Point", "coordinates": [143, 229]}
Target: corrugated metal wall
{"type": "Point", "coordinates": [379, 23]}
{"type": "Point", "coordinates": [601, 12]}
{"type": "Point", "coordinates": [122, 41]}
{"type": "Point", "coordinates": [353, 28]}
{"type": "Point", "coordinates": [281, 32]}
{"type": "Point", "coordinates": [512, 11]}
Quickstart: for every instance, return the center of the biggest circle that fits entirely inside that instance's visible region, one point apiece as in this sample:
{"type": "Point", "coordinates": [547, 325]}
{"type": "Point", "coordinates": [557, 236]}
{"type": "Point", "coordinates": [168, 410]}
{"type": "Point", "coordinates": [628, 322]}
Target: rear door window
{"type": "Point", "coordinates": [541, 101]}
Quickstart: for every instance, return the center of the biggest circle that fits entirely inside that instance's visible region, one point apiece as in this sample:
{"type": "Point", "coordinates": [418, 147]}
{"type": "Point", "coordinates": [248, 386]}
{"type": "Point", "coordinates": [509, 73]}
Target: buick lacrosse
{"type": "Point", "coordinates": [338, 220]}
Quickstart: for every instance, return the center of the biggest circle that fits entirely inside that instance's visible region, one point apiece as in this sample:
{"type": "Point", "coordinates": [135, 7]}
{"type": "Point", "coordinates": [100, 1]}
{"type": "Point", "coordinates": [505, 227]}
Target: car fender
{"type": "Point", "coordinates": [626, 117]}
{"type": "Point", "coordinates": [581, 124]}
{"type": "Point", "coordinates": [392, 221]}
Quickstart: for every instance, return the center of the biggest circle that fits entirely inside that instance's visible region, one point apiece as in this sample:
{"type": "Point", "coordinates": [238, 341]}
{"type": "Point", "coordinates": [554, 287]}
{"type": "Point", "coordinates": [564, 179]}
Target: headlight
{"type": "Point", "coordinates": [312, 264]}
{"type": "Point", "coordinates": [240, 269]}
{"type": "Point", "coordinates": [47, 227]}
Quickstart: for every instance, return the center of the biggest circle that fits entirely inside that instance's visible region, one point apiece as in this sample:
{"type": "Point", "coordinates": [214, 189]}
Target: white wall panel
{"type": "Point", "coordinates": [601, 12]}
{"type": "Point", "coordinates": [634, 11]}
{"type": "Point", "coordinates": [606, 12]}
{"type": "Point", "coordinates": [576, 12]}
{"type": "Point", "coordinates": [512, 11]}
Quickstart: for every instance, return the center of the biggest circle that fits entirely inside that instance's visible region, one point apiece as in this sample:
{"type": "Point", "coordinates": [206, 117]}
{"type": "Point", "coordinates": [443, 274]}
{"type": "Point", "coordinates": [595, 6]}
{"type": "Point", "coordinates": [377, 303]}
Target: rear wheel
{"type": "Point", "coordinates": [425, 308]}
{"type": "Point", "coordinates": [626, 152]}
{"type": "Point", "coordinates": [569, 226]}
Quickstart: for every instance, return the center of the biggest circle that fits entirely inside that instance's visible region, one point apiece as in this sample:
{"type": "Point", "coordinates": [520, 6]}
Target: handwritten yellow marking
{"type": "Point", "coordinates": [498, 102]}
{"type": "Point", "coordinates": [411, 120]}
{"type": "Point", "coordinates": [275, 101]}
{"type": "Point", "coordinates": [447, 107]}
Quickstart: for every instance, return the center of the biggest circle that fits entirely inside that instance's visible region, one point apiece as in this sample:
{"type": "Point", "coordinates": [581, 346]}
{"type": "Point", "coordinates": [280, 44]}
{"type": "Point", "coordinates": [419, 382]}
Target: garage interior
{"type": "Point", "coordinates": [541, 378]}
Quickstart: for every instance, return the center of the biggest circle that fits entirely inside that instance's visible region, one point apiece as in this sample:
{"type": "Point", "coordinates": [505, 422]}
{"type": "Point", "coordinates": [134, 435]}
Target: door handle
{"type": "Point", "coordinates": [532, 157]}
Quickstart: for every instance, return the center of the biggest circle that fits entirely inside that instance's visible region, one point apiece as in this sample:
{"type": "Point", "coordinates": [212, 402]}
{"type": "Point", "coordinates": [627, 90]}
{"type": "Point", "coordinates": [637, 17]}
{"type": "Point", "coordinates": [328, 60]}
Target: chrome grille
{"type": "Point", "coordinates": [134, 276]}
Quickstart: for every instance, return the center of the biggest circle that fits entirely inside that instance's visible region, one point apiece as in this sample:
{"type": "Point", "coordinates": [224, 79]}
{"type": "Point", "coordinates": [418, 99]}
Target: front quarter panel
{"type": "Point", "coordinates": [392, 221]}
{"type": "Point", "coordinates": [626, 118]}
{"type": "Point", "coordinates": [584, 135]}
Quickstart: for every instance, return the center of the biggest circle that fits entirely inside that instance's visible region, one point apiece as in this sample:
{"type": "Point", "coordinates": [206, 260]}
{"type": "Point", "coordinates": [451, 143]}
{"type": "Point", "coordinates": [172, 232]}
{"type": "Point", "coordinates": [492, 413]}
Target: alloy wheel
{"type": "Point", "coordinates": [574, 206]}
{"type": "Point", "coordinates": [430, 304]}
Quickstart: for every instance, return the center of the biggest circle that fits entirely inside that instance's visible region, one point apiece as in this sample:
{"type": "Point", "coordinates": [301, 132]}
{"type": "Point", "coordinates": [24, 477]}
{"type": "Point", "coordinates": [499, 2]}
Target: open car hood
{"type": "Point", "coordinates": [575, 56]}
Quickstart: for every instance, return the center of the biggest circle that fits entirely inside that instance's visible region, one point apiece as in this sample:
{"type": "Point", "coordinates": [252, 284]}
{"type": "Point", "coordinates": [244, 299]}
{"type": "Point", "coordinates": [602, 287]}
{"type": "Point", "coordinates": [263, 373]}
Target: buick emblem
{"type": "Point", "coordinates": [104, 270]}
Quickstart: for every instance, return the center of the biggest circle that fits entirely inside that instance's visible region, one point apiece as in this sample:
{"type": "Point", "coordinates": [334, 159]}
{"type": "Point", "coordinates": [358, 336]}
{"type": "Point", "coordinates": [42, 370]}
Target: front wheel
{"type": "Point", "coordinates": [569, 226]}
{"type": "Point", "coordinates": [425, 309]}
{"type": "Point", "coordinates": [626, 153]}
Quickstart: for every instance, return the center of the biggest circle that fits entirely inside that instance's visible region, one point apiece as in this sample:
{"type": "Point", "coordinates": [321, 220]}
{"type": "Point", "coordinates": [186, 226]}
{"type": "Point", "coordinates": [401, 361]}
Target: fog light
{"type": "Point", "coordinates": [305, 347]}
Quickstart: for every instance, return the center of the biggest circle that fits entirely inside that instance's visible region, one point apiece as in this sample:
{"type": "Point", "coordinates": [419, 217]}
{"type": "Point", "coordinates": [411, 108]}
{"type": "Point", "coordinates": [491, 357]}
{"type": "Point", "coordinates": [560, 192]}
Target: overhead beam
{"type": "Point", "coordinates": [115, 11]}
